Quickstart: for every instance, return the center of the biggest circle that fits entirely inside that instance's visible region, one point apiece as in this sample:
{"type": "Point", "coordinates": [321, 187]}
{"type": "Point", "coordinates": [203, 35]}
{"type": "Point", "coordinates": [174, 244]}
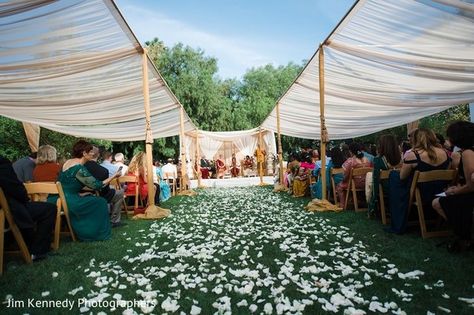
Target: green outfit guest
{"type": "Point", "coordinates": [389, 157]}
{"type": "Point", "coordinates": [89, 214]}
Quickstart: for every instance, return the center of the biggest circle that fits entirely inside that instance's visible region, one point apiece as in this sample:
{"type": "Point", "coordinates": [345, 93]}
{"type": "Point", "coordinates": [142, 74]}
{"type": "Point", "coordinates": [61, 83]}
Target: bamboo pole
{"type": "Point", "coordinates": [183, 182]}
{"type": "Point", "coordinates": [198, 160]}
{"type": "Point", "coordinates": [259, 156]}
{"type": "Point", "coordinates": [324, 134]}
{"type": "Point", "coordinates": [152, 211]}
{"type": "Point", "coordinates": [280, 150]}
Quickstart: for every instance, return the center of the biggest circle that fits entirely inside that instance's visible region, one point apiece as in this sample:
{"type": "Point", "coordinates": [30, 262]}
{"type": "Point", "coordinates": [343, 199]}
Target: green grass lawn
{"type": "Point", "coordinates": [246, 250]}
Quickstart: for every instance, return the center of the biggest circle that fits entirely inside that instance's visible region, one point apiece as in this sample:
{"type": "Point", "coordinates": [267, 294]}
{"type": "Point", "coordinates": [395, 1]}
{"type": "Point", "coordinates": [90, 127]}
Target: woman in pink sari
{"type": "Point", "coordinates": [356, 160]}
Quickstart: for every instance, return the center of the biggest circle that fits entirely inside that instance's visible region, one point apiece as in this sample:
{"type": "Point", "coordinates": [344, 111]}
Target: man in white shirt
{"type": "Point", "coordinates": [119, 159]}
{"type": "Point", "coordinates": [169, 170]}
{"type": "Point", "coordinates": [107, 163]}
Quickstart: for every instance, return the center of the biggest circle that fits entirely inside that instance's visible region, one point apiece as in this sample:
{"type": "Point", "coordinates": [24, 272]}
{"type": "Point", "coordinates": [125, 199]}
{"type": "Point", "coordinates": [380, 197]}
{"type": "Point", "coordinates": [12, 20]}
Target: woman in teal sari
{"type": "Point", "coordinates": [89, 213]}
{"type": "Point", "coordinates": [335, 160]}
{"type": "Point", "coordinates": [389, 156]}
{"type": "Point", "coordinates": [165, 191]}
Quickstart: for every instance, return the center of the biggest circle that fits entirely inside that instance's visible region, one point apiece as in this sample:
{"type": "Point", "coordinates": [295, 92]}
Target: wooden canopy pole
{"type": "Point", "coordinates": [260, 156]}
{"type": "Point", "coordinates": [198, 160]}
{"type": "Point", "coordinates": [324, 132]}
{"type": "Point", "coordinates": [152, 211]}
{"type": "Point", "coordinates": [280, 150]}
{"type": "Point", "coordinates": [183, 182]}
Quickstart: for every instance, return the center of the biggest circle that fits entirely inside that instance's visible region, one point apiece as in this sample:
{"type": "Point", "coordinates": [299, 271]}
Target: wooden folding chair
{"type": "Point", "coordinates": [356, 172]}
{"type": "Point", "coordinates": [5, 213]}
{"type": "Point", "coordinates": [333, 172]}
{"type": "Point", "coordinates": [169, 177]}
{"type": "Point", "coordinates": [448, 176]}
{"type": "Point", "coordinates": [383, 212]}
{"type": "Point", "coordinates": [125, 180]}
{"type": "Point", "coordinates": [38, 191]}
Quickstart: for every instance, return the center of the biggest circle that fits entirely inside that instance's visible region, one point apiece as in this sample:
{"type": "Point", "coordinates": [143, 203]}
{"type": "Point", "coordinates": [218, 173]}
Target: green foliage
{"type": "Point", "coordinates": [13, 144]}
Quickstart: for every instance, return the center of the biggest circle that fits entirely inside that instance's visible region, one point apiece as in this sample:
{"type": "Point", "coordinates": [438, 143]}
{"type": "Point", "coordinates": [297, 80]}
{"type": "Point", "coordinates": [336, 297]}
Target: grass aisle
{"type": "Point", "coordinates": [246, 250]}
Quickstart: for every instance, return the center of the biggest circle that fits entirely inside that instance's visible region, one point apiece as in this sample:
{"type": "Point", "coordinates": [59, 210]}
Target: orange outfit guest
{"type": "Point", "coordinates": [46, 169]}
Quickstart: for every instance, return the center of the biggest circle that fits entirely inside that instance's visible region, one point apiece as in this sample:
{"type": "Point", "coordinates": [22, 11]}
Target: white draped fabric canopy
{"type": "Point", "coordinates": [388, 63]}
{"type": "Point", "coordinates": [76, 67]}
{"type": "Point", "coordinates": [240, 143]}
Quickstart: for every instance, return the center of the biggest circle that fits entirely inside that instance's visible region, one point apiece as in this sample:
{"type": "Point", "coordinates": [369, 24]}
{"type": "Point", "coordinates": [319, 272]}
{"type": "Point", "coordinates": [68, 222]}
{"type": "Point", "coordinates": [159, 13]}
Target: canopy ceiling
{"type": "Point", "coordinates": [75, 67]}
{"type": "Point", "coordinates": [388, 63]}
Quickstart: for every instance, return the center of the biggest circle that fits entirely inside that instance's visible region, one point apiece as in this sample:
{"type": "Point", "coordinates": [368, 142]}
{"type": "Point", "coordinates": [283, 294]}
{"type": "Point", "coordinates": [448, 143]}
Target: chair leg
{"type": "Point", "coordinates": [2, 233]}
{"type": "Point", "coordinates": [382, 206]}
{"type": "Point", "coordinates": [354, 197]}
{"type": "Point", "coordinates": [347, 196]}
{"type": "Point", "coordinates": [71, 231]}
{"type": "Point", "coordinates": [19, 239]}
{"type": "Point", "coordinates": [57, 227]}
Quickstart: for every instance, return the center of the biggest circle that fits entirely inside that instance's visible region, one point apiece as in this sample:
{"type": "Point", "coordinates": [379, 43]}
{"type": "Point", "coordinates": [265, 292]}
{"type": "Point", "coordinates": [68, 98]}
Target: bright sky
{"type": "Point", "coordinates": [240, 34]}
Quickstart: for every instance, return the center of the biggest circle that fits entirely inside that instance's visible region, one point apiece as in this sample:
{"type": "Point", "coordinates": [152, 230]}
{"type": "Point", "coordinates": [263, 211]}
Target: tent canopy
{"type": "Point", "coordinates": [388, 63]}
{"type": "Point", "coordinates": [75, 67]}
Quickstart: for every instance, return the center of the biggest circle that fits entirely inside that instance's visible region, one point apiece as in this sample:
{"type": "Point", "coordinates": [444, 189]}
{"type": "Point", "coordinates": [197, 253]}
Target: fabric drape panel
{"type": "Point", "coordinates": [74, 67]}
{"type": "Point", "coordinates": [375, 81]}
{"type": "Point", "coordinates": [246, 144]}
{"type": "Point", "coordinates": [209, 146]}
{"type": "Point", "coordinates": [269, 140]}
{"type": "Point", "coordinates": [32, 133]}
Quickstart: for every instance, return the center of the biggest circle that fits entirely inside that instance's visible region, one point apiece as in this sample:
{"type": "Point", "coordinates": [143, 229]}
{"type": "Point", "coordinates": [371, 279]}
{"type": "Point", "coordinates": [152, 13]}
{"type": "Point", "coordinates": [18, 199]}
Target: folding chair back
{"type": "Point", "coordinates": [448, 176]}
{"type": "Point", "coordinates": [37, 191]}
{"type": "Point", "coordinates": [126, 180]}
{"type": "Point", "coordinates": [5, 213]}
{"type": "Point", "coordinates": [170, 178]}
{"type": "Point", "coordinates": [334, 172]}
{"type": "Point", "coordinates": [356, 172]}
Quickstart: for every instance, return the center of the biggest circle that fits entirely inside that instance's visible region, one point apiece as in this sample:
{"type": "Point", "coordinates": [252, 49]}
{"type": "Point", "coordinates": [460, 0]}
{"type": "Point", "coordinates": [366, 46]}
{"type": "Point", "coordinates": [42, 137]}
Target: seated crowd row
{"type": "Point", "coordinates": [426, 152]}
{"type": "Point", "coordinates": [94, 204]}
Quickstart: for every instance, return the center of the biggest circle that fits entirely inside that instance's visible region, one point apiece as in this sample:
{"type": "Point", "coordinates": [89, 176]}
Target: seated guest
{"type": "Point", "coordinates": [300, 182]}
{"type": "Point", "coordinates": [107, 163]}
{"type": "Point", "coordinates": [357, 160]}
{"type": "Point", "coordinates": [388, 157]}
{"type": "Point", "coordinates": [234, 170]}
{"type": "Point", "coordinates": [24, 167]}
{"type": "Point", "coordinates": [120, 162]}
{"type": "Point", "coordinates": [170, 170]}
{"type": "Point", "coordinates": [367, 154]}
{"type": "Point", "coordinates": [47, 169]}
{"type": "Point", "coordinates": [138, 168]}
{"type": "Point", "coordinates": [205, 167]}
{"type": "Point", "coordinates": [425, 155]}
{"type": "Point", "coordinates": [292, 170]}
{"type": "Point", "coordinates": [89, 214]}
{"type": "Point", "coordinates": [34, 219]}
{"type": "Point", "coordinates": [165, 191]}
{"type": "Point", "coordinates": [247, 165]}
{"type": "Point", "coordinates": [113, 197]}
{"type": "Point", "coordinates": [458, 204]}
{"type": "Point", "coordinates": [335, 160]}
{"type": "Point", "coordinates": [220, 167]}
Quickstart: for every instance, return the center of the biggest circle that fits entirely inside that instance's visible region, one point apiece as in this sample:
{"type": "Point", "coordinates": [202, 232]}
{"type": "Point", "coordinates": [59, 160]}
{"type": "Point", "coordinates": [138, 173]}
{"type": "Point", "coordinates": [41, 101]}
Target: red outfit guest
{"type": "Point", "coordinates": [46, 169]}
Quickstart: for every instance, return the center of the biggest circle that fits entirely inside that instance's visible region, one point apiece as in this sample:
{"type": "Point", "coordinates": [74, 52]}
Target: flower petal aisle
{"type": "Point", "coordinates": [248, 250]}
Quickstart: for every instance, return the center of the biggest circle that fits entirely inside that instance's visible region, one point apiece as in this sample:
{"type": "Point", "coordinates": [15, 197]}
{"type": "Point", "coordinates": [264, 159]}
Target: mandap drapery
{"type": "Point", "coordinates": [226, 143]}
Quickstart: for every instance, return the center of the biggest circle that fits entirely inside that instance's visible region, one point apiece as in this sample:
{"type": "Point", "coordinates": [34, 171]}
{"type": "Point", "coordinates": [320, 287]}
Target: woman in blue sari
{"type": "Point", "coordinates": [165, 192]}
{"type": "Point", "coordinates": [335, 160]}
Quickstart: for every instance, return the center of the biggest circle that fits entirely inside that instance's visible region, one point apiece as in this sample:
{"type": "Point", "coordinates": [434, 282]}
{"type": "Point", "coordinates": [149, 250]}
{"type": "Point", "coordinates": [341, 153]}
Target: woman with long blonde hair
{"type": "Point", "coordinates": [426, 155]}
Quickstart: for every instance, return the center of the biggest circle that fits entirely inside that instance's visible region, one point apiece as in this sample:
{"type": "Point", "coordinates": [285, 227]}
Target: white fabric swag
{"type": "Point", "coordinates": [390, 62]}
